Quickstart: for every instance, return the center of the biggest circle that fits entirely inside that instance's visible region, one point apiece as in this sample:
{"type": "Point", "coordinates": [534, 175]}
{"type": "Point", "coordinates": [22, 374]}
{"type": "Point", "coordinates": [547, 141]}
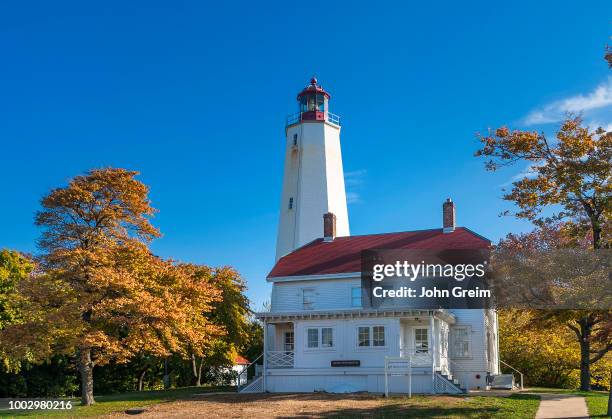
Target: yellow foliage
{"type": "Point", "coordinates": [549, 356]}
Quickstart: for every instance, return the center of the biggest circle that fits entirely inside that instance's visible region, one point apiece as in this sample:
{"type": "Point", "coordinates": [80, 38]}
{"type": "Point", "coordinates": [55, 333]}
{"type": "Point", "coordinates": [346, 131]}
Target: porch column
{"type": "Point", "coordinates": [496, 330]}
{"type": "Point", "coordinates": [265, 356]}
{"type": "Point", "coordinates": [432, 339]}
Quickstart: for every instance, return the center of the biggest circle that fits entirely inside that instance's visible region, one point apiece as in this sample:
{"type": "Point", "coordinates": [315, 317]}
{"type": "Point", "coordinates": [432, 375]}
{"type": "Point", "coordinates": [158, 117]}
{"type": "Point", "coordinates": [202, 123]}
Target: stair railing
{"type": "Point", "coordinates": [245, 369]}
{"type": "Point", "coordinates": [512, 368]}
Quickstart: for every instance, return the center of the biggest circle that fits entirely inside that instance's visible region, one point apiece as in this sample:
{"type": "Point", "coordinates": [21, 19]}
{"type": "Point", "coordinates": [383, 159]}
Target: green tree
{"type": "Point", "coordinates": [230, 313]}
{"type": "Point", "coordinates": [14, 267]}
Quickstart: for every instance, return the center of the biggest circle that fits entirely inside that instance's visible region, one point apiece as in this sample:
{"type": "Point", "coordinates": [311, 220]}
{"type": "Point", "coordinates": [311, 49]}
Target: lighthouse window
{"type": "Point", "coordinates": [291, 203]}
{"type": "Point", "coordinates": [311, 103]}
{"type": "Point", "coordinates": [320, 103]}
{"type": "Point", "coordinates": [294, 139]}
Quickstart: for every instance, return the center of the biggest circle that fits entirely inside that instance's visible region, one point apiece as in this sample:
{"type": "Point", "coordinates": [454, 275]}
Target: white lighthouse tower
{"type": "Point", "coordinates": [313, 182]}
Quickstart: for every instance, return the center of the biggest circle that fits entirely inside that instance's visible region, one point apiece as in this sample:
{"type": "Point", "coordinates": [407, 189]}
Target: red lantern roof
{"type": "Point", "coordinates": [313, 88]}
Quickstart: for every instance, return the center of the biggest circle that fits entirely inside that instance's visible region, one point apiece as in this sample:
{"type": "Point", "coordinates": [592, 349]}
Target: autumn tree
{"type": "Point", "coordinates": [101, 294]}
{"type": "Point", "coordinates": [549, 355]}
{"type": "Point", "coordinates": [532, 282]}
{"type": "Point", "coordinates": [569, 183]}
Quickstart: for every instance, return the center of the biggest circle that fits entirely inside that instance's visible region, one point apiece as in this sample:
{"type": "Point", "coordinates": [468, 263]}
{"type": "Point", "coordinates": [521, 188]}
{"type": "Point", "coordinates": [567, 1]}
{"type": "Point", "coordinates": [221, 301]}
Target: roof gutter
{"type": "Point", "coordinates": [343, 275]}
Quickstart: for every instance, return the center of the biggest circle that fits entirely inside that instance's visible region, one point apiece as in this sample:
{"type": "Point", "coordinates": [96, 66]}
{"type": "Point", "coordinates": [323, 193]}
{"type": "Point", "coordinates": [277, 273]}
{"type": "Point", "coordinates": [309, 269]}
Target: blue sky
{"type": "Point", "coordinates": [194, 94]}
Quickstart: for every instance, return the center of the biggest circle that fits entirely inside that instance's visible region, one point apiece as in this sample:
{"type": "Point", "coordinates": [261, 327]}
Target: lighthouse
{"type": "Point", "coordinates": [313, 180]}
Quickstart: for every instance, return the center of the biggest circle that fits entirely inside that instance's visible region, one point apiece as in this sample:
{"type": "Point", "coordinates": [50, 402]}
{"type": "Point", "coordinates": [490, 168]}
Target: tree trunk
{"type": "Point", "coordinates": [585, 354]}
{"type": "Point", "coordinates": [166, 375]}
{"type": "Point", "coordinates": [86, 370]}
{"type": "Point", "coordinates": [199, 383]}
{"type": "Point", "coordinates": [141, 380]}
{"type": "Point", "coordinates": [197, 371]}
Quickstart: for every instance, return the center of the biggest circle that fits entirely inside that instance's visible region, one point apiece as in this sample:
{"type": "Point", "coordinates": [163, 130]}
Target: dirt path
{"type": "Point", "coordinates": [252, 406]}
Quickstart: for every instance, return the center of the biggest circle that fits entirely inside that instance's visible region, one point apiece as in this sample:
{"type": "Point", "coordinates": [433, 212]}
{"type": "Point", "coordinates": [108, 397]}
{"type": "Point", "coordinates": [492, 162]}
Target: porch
{"type": "Point", "coordinates": [367, 337]}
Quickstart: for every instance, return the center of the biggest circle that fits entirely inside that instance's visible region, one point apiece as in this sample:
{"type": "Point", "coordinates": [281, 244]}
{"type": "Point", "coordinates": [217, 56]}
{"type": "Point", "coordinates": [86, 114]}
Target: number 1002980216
{"type": "Point", "coordinates": [40, 404]}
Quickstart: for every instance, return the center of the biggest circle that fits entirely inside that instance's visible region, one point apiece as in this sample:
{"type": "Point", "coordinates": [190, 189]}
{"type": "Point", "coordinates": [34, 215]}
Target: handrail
{"type": "Point", "coordinates": [511, 367]}
{"type": "Point", "coordinates": [244, 370]}
{"type": "Point", "coordinates": [297, 117]}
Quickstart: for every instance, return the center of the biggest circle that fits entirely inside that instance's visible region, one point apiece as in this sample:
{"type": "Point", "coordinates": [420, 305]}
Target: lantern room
{"type": "Point", "coordinates": [313, 105]}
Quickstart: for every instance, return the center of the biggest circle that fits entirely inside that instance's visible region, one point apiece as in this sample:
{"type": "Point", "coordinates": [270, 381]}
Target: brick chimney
{"type": "Point", "coordinates": [329, 226]}
{"type": "Point", "coordinates": [448, 216]}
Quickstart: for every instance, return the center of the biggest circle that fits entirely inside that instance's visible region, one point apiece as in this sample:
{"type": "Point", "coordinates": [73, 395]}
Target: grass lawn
{"type": "Point", "coordinates": [515, 406]}
{"type": "Point", "coordinates": [597, 401]}
{"type": "Point", "coordinates": [116, 402]}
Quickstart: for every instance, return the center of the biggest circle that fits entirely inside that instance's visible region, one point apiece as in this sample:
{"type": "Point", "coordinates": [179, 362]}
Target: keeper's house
{"type": "Point", "coordinates": [319, 334]}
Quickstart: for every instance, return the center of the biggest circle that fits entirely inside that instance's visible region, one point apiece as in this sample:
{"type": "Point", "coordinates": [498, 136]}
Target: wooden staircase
{"type": "Point", "coordinates": [255, 386]}
{"type": "Point", "coordinates": [447, 384]}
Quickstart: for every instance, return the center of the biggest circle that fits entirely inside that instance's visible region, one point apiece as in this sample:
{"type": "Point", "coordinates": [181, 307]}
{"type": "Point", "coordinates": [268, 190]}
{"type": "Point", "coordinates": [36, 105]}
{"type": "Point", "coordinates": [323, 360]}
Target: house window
{"type": "Point", "coordinates": [308, 299]}
{"type": "Point", "coordinates": [364, 336]}
{"type": "Point", "coordinates": [313, 338]}
{"type": "Point", "coordinates": [291, 203]}
{"type": "Point", "coordinates": [327, 337]}
{"type": "Point", "coordinates": [356, 297]}
{"type": "Point", "coordinates": [460, 342]}
{"type": "Point", "coordinates": [289, 341]}
{"type": "Point", "coordinates": [378, 335]}
{"type": "Point", "coordinates": [371, 336]}
{"type": "Point", "coordinates": [320, 337]}
{"type": "Point", "coordinates": [421, 340]}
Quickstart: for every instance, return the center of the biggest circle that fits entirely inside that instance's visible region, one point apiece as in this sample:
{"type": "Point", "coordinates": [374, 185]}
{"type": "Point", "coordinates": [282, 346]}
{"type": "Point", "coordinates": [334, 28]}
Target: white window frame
{"type": "Point", "coordinates": [371, 337]}
{"type": "Point", "coordinates": [308, 301]}
{"type": "Point", "coordinates": [291, 342]}
{"type": "Point", "coordinates": [352, 298]}
{"type": "Point", "coordinates": [452, 335]}
{"type": "Point", "coordinates": [320, 346]}
{"type": "Point", "coordinates": [307, 340]}
{"type": "Point", "coordinates": [414, 339]}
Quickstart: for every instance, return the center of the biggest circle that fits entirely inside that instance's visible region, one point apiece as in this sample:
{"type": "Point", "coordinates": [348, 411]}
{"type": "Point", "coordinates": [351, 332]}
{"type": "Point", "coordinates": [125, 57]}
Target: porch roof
{"type": "Point", "coordinates": [354, 314]}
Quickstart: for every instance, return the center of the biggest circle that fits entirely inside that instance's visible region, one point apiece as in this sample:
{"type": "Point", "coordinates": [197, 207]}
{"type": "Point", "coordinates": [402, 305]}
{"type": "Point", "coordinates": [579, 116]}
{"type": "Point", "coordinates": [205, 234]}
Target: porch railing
{"type": "Point", "coordinates": [297, 117]}
{"type": "Point", "coordinates": [514, 369]}
{"type": "Point", "coordinates": [418, 357]}
{"type": "Point", "coordinates": [279, 359]}
{"type": "Point", "coordinates": [244, 371]}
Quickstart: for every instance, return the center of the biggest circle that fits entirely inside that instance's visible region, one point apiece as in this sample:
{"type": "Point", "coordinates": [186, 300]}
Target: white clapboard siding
{"type": "Point", "coordinates": [345, 343]}
{"type": "Point", "coordinates": [372, 382]}
{"type": "Point", "coordinates": [329, 294]}
{"type": "Point", "coordinates": [466, 369]}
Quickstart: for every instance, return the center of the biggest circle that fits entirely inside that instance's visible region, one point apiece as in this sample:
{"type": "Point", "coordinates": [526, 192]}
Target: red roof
{"type": "Point", "coordinates": [239, 360]}
{"type": "Point", "coordinates": [343, 254]}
